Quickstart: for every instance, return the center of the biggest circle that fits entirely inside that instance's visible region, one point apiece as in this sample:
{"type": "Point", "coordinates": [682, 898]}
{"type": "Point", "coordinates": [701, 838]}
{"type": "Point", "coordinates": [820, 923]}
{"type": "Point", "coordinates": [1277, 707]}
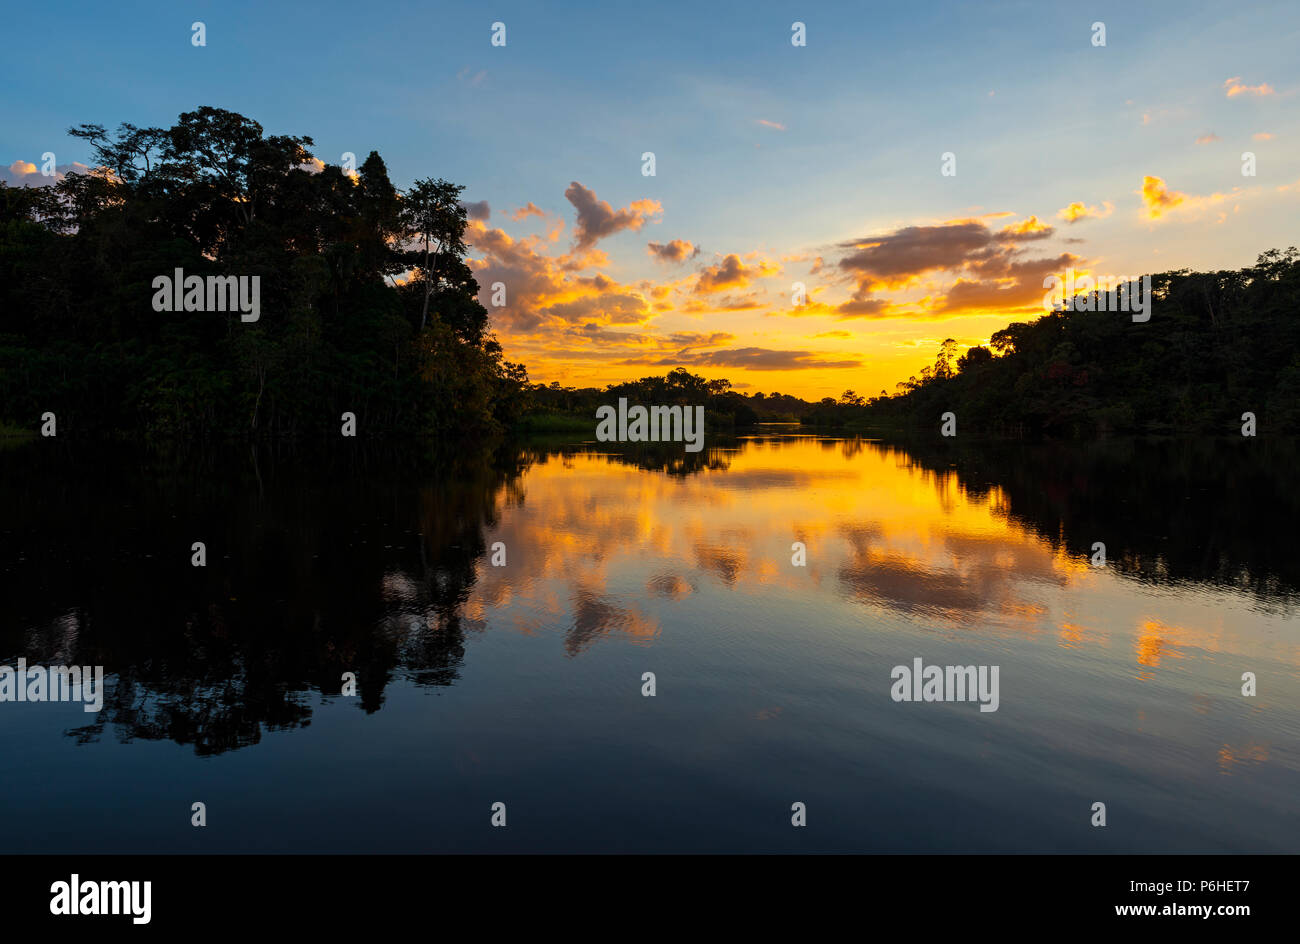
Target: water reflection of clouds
{"type": "Point", "coordinates": [886, 531]}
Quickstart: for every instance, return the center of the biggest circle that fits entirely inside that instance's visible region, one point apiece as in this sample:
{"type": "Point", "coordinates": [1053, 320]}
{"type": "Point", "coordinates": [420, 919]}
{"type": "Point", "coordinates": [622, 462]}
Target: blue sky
{"type": "Point", "coordinates": [857, 120]}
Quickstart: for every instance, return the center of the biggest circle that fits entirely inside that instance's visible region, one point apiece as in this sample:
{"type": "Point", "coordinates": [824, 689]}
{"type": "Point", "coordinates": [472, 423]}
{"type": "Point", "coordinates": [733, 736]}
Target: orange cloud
{"type": "Point", "coordinates": [1079, 211]}
{"type": "Point", "coordinates": [732, 273]}
{"type": "Point", "coordinates": [532, 209]}
{"type": "Point", "coordinates": [898, 259]}
{"type": "Point", "coordinates": [906, 256]}
{"type": "Point", "coordinates": [749, 358]}
{"type": "Point", "coordinates": [1004, 284]}
{"type": "Point", "coordinates": [24, 173]}
{"type": "Point", "coordinates": [1158, 200]}
{"type": "Point", "coordinates": [1233, 88]}
{"type": "Point", "coordinates": [597, 219]}
{"type": "Point", "coordinates": [726, 303]}
{"type": "Point", "coordinates": [678, 250]}
{"type": "Point", "coordinates": [544, 289]}
{"type": "Point", "coordinates": [1027, 229]}
{"type": "Point", "coordinates": [696, 339]}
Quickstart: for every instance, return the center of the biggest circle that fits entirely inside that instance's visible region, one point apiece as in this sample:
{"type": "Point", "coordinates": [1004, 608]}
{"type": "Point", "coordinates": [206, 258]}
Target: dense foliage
{"type": "Point", "coordinates": [722, 404]}
{"type": "Point", "coordinates": [367, 305]}
{"type": "Point", "coordinates": [1217, 345]}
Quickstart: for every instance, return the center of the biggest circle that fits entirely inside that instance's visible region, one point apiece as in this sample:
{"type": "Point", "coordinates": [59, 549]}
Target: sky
{"type": "Point", "coordinates": [775, 165]}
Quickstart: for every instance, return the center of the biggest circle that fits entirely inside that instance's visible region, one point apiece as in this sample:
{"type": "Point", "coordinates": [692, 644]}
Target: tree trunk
{"type": "Point", "coordinates": [424, 314]}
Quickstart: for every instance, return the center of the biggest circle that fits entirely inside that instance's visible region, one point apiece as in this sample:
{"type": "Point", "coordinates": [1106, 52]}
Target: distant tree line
{"type": "Point", "coordinates": [722, 404]}
{"type": "Point", "coordinates": [369, 305]}
{"type": "Point", "coordinates": [1217, 345]}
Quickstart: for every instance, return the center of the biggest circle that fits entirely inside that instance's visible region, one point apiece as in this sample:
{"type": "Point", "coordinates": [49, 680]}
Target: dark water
{"type": "Point", "coordinates": [522, 683]}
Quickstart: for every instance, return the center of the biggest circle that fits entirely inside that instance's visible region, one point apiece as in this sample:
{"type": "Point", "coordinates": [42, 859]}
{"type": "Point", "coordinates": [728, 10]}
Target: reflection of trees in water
{"type": "Point", "coordinates": [362, 564]}
{"type": "Point", "coordinates": [361, 561]}
{"type": "Point", "coordinates": [1219, 511]}
{"type": "Point", "coordinates": [669, 458]}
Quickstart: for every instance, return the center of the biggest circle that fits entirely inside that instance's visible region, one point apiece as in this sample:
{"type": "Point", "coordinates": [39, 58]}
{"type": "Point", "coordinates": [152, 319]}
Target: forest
{"type": "Point", "coordinates": [1217, 345]}
{"type": "Point", "coordinates": [376, 312]}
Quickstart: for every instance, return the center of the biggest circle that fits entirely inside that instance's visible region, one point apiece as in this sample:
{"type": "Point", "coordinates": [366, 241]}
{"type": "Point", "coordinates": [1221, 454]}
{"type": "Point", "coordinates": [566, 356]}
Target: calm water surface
{"type": "Point", "coordinates": [522, 683]}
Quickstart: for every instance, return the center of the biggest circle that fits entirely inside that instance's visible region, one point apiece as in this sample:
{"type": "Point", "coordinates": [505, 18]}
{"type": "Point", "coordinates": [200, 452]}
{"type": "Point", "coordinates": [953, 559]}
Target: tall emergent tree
{"type": "Point", "coordinates": [339, 329]}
